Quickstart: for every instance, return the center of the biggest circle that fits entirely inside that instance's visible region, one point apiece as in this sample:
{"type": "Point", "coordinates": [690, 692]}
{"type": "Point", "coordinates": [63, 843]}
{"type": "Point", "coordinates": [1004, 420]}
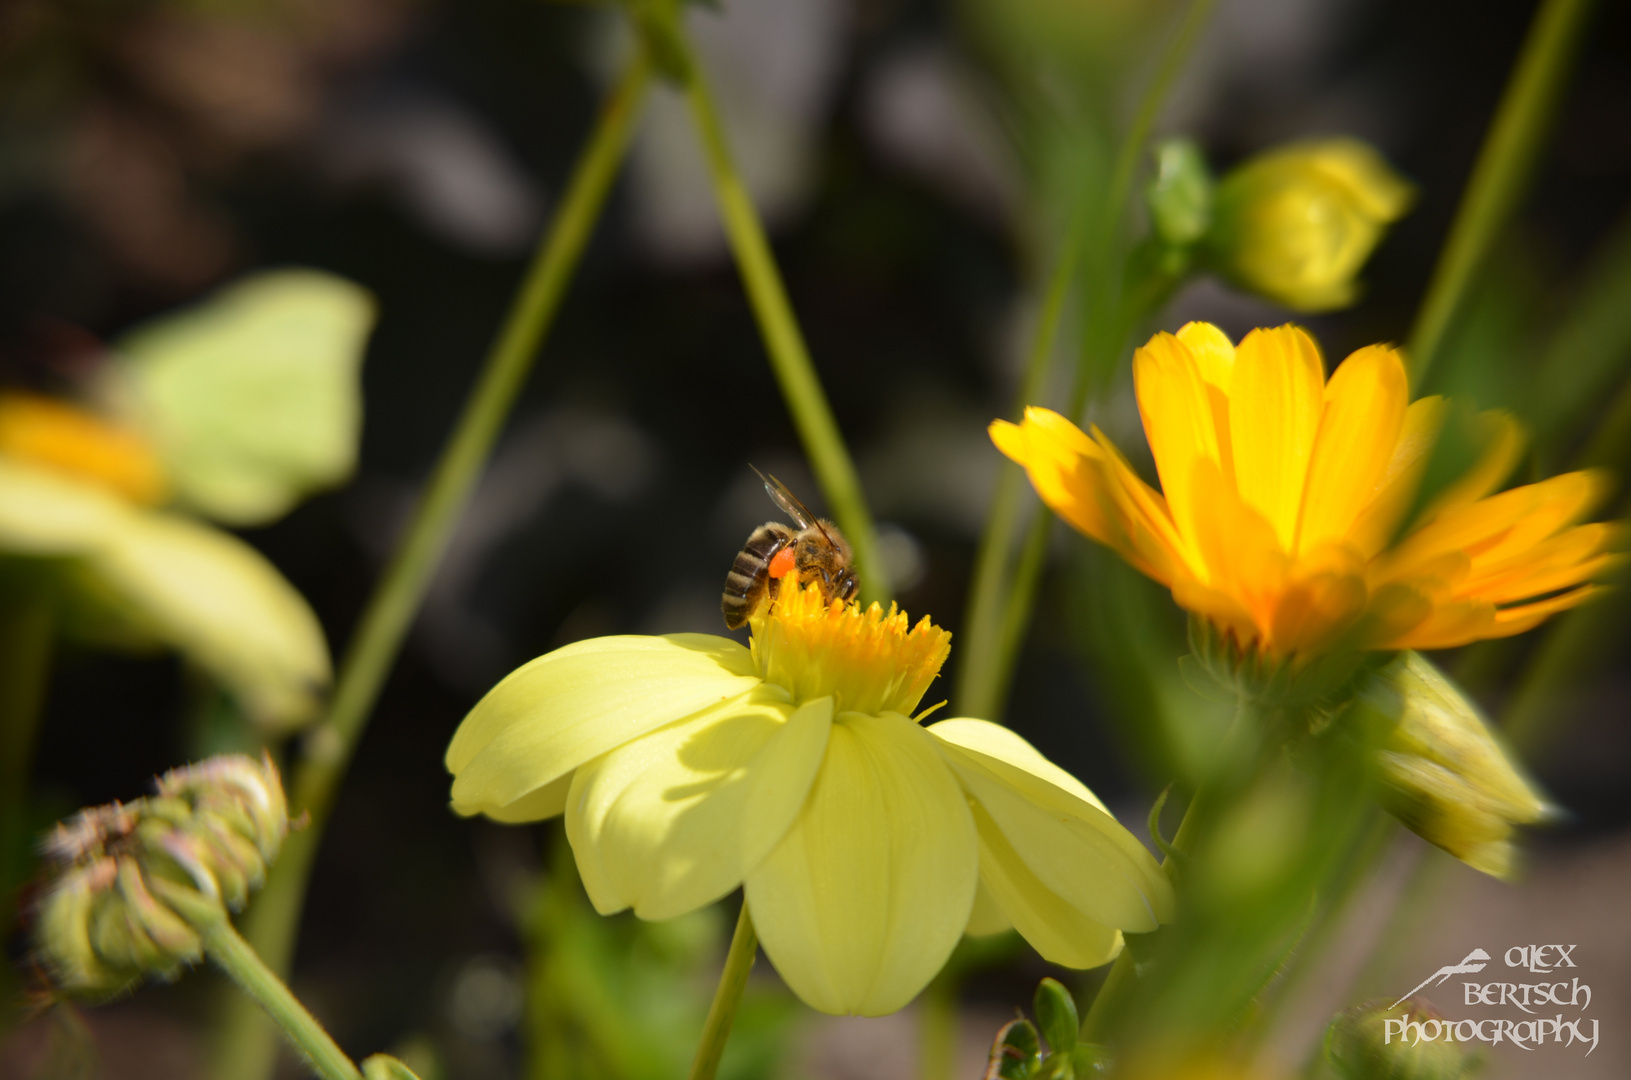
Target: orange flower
{"type": "Point", "coordinates": [1282, 493]}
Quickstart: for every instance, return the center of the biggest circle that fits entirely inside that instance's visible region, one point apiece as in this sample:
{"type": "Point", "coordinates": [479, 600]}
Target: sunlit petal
{"type": "Point", "coordinates": [863, 900]}
{"type": "Point", "coordinates": [1275, 403]}
{"type": "Point", "coordinates": [574, 704]}
{"type": "Point", "coordinates": [1364, 413]}
{"type": "Point", "coordinates": [1069, 842]}
{"type": "Point", "coordinates": [679, 816]}
{"type": "Point", "coordinates": [1177, 411]}
{"type": "Point", "coordinates": [44, 512]}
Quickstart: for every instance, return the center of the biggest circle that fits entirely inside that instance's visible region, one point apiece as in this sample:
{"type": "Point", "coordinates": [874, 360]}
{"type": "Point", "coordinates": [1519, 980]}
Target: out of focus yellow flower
{"type": "Point", "coordinates": [1295, 224]}
{"type": "Point", "coordinates": [1282, 493]}
{"type": "Point", "coordinates": [236, 409]}
{"type": "Point", "coordinates": [687, 765]}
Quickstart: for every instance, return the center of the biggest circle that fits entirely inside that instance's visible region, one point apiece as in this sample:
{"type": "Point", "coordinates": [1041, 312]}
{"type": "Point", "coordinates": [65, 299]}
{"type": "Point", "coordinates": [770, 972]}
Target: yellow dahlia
{"type": "Point", "coordinates": [687, 765]}
{"type": "Point", "coordinates": [1282, 493]}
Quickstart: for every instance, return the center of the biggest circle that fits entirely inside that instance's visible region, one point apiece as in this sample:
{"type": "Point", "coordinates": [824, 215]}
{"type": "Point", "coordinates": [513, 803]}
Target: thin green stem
{"type": "Point", "coordinates": [1505, 166]}
{"type": "Point", "coordinates": [937, 1027]}
{"type": "Point", "coordinates": [1001, 606]}
{"type": "Point", "coordinates": [980, 688]}
{"type": "Point", "coordinates": [727, 996]}
{"type": "Point", "coordinates": [233, 955]}
{"type": "Point", "coordinates": [784, 341]}
{"type": "Point", "coordinates": [273, 921]}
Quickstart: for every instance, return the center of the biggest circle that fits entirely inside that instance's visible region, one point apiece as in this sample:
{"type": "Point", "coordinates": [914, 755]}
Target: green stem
{"type": "Point", "coordinates": [727, 996]}
{"type": "Point", "coordinates": [784, 341]}
{"type": "Point", "coordinates": [273, 921]}
{"type": "Point", "coordinates": [1504, 168]}
{"type": "Point", "coordinates": [1001, 607]}
{"type": "Point", "coordinates": [233, 955]}
{"type": "Point", "coordinates": [980, 687]}
{"type": "Point", "coordinates": [937, 1027]}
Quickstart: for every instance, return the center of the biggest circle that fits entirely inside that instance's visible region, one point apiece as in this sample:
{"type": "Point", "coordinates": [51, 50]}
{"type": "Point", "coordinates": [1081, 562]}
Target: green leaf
{"type": "Point", "coordinates": [251, 397]}
{"type": "Point", "coordinates": [1016, 1054]}
{"type": "Point", "coordinates": [1056, 1016]}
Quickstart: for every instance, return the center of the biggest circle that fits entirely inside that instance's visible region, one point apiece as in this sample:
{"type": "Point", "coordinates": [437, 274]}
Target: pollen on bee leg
{"type": "Point", "coordinates": [783, 562]}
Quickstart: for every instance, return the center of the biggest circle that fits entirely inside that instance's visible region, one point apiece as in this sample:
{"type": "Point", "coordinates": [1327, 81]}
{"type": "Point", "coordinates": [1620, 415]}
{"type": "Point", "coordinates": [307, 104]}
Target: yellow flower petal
{"type": "Point", "coordinates": [221, 603]}
{"type": "Point", "coordinates": [863, 900]}
{"type": "Point", "coordinates": [675, 819]}
{"type": "Point", "coordinates": [1275, 402]}
{"type": "Point", "coordinates": [1364, 414]}
{"type": "Point", "coordinates": [1059, 931]}
{"type": "Point", "coordinates": [43, 512]}
{"type": "Point", "coordinates": [1376, 524]}
{"type": "Point", "coordinates": [1174, 401]}
{"type": "Point", "coordinates": [539, 805]}
{"type": "Point", "coordinates": [987, 918]}
{"type": "Point", "coordinates": [574, 704]}
{"type": "Point", "coordinates": [1052, 838]}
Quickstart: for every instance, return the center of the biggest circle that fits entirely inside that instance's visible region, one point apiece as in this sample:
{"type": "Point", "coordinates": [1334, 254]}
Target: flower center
{"type": "Point", "coordinates": [69, 439]}
{"type": "Point", "coordinates": [869, 661]}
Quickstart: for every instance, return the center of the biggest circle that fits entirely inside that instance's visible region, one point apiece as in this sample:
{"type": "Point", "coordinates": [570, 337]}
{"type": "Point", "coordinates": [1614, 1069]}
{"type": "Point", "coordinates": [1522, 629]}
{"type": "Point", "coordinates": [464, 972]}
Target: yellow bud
{"type": "Point", "coordinates": [1296, 223]}
{"type": "Point", "coordinates": [1444, 774]}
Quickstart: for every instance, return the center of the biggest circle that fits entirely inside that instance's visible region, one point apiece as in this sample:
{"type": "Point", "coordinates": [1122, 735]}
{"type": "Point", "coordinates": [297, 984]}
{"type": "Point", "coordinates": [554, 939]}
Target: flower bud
{"type": "Point", "coordinates": [1362, 1045]}
{"type": "Point", "coordinates": [134, 881]}
{"type": "Point", "coordinates": [1180, 195]}
{"type": "Point", "coordinates": [1442, 771]}
{"type": "Point", "coordinates": [1296, 223]}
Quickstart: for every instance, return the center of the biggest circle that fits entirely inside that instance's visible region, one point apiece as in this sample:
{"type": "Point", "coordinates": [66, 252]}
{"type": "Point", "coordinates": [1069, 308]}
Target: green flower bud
{"type": "Point", "coordinates": [134, 881]}
{"type": "Point", "coordinates": [1296, 223]}
{"type": "Point", "coordinates": [1361, 1046]}
{"type": "Point", "coordinates": [1442, 771]}
{"type": "Point", "coordinates": [1180, 195]}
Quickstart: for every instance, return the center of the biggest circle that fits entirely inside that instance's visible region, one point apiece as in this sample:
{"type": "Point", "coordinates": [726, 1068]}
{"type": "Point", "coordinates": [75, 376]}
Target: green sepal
{"type": "Point", "coordinates": [1180, 194]}
{"type": "Point", "coordinates": [1057, 1017]}
{"type": "Point", "coordinates": [1016, 1053]}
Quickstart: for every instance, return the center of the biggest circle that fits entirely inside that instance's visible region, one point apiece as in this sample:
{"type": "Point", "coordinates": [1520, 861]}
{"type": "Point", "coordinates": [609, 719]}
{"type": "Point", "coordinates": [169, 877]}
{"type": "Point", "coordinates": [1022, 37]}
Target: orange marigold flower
{"type": "Point", "coordinates": [1282, 493]}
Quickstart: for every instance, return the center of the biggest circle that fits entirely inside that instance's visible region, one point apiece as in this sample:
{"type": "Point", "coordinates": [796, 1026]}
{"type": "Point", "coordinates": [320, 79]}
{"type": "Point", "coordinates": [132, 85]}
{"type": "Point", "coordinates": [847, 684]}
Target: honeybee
{"type": "Point", "coordinates": [814, 552]}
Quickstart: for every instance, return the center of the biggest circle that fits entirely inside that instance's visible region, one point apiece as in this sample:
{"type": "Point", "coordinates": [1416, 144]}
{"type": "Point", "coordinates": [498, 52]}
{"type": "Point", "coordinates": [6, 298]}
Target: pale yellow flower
{"type": "Point", "coordinates": [1282, 493]}
{"type": "Point", "coordinates": [236, 409]}
{"type": "Point", "coordinates": [687, 765]}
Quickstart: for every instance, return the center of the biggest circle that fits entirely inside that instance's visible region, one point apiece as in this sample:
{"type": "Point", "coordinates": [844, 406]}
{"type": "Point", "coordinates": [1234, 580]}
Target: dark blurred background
{"type": "Point", "coordinates": [151, 151]}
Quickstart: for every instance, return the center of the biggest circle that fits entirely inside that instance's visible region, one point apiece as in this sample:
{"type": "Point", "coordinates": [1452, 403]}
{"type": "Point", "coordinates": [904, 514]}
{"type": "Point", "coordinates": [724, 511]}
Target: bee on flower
{"type": "Point", "coordinates": [799, 769]}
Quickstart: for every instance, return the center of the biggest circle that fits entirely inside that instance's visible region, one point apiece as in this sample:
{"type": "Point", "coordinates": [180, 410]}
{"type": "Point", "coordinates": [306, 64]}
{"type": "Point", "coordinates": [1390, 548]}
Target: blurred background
{"type": "Point", "coordinates": [154, 150]}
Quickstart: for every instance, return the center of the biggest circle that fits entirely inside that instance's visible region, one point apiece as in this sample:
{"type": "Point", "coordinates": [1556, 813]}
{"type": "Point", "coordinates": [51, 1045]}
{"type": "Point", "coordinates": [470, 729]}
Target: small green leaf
{"type": "Point", "coordinates": [1016, 1053]}
{"type": "Point", "coordinates": [1056, 1016]}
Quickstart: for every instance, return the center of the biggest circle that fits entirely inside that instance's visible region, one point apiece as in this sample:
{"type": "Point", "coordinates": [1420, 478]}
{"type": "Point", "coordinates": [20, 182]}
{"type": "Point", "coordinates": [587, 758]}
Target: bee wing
{"type": "Point", "coordinates": [787, 501]}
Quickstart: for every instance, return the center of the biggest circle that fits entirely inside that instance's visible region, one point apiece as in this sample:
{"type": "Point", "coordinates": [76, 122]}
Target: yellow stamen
{"type": "Point", "coordinates": [869, 661]}
{"type": "Point", "coordinates": [69, 439]}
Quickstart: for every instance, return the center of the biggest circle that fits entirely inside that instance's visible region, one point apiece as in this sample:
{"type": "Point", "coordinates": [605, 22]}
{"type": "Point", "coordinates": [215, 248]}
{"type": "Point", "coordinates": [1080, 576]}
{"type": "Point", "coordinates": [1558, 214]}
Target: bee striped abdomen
{"type": "Point", "coordinates": [750, 573]}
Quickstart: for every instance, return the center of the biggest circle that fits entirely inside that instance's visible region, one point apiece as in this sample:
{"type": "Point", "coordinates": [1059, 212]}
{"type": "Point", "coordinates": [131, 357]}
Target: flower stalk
{"type": "Point", "coordinates": [1001, 602]}
{"type": "Point", "coordinates": [784, 341]}
{"type": "Point", "coordinates": [233, 955]}
{"type": "Point", "coordinates": [1505, 165]}
{"type": "Point", "coordinates": [245, 1042]}
{"type": "Point", "coordinates": [727, 996]}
